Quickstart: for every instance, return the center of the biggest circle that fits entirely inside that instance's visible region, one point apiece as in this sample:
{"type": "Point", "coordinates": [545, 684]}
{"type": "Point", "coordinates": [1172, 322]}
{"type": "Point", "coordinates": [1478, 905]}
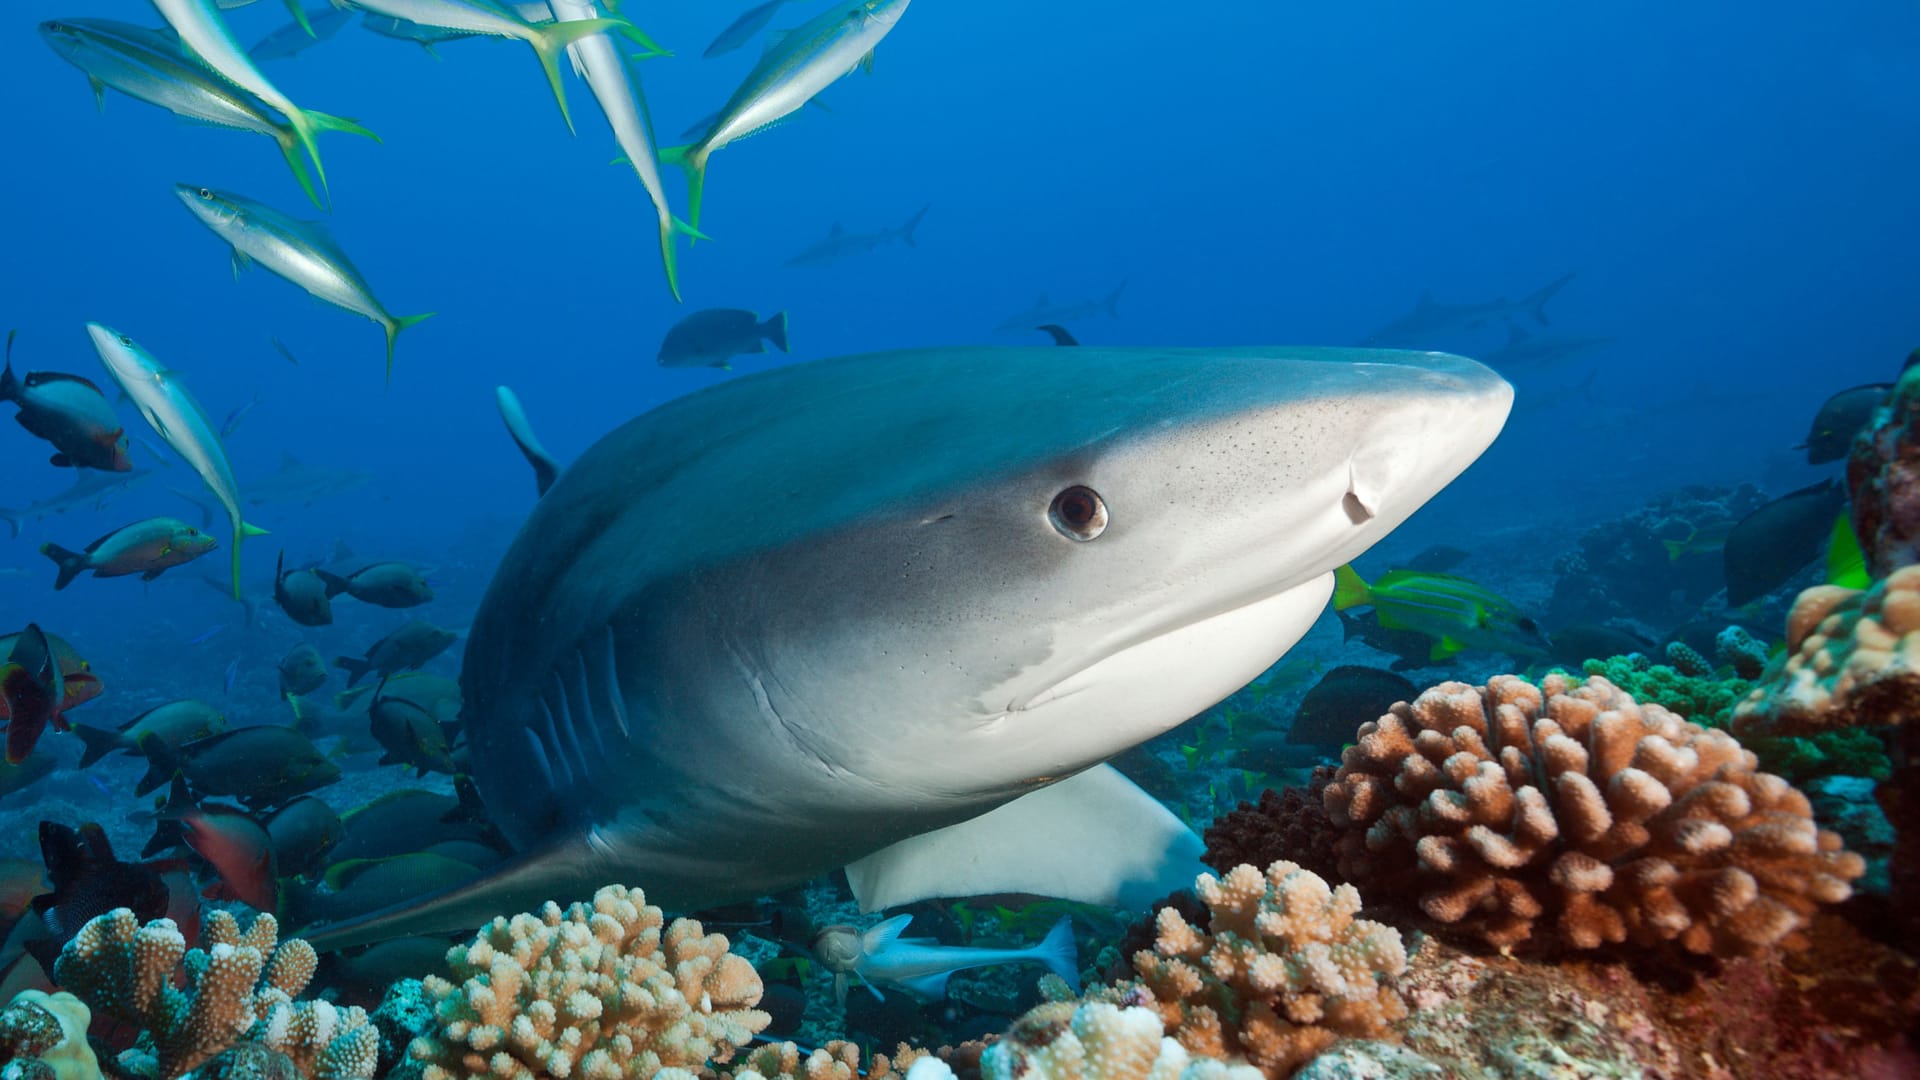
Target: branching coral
{"type": "Point", "coordinates": [1853, 659]}
{"type": "Point", "coordinates": [601, 991]}
{"type": "Point", "coordinates": [241, 985]}
{"type": "Point", "coordinates": [1281, 970]}
{"type": "Point", "coordinates": [1883, 478]}
{"type": "Point", "coordinates": [1098, 1041]}
{"type": "Point", "coordinates": [837, 1060]}
{"type": "Point", "coordinates": [1574, 806]}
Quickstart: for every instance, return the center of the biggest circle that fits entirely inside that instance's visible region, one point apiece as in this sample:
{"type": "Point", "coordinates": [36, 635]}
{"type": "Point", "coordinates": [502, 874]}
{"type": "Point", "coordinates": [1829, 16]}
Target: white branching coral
{"type": "Point", "coordinates": [241, 985]}
{"type": "Point", "coordinates": [600, 991]}
{"type": "Point", "coordinates": [1281, 970]}
{"type": "Point", "coordinates": [1098, 1041]}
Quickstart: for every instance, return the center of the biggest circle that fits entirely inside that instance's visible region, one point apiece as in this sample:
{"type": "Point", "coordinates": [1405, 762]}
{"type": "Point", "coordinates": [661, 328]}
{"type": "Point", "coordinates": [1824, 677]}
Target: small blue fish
{"type": "Point", "coordinates": [233, 672]}
{"type": "Point", "coordinates": [233, 418]}
{"type": "Point", "coordinates": [217, 627]}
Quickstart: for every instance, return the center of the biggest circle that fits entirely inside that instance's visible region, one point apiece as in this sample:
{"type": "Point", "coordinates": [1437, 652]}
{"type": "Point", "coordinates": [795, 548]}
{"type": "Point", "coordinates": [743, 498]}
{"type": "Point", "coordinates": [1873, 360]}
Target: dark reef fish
{"type": "Point", "coordinates": [71, 413]}
{"type": "Point", "coordinates": [712, 338]}
{"type": "Point", "coordinates": [302, 671]}
{"type": "Point", "coordinates": [1839, 419]}
{"type": "Point", "coordinates": [89, 881]}
{"type": "Point", "coordinates": [383, 584]}
{"type": "Point", "coordinates": [1343, 699]}
{"type": "Point", "coordinates": [1772, 544]}
{"type": "Point", "coordinates": [408, 647]}
{"type": "Point", "coordinates": [260, 766]}
{"type": "Point", "coordinates": [302, 594]}
{"type": "Point", "coordinates": [415, 718]}
{"type": "Point", "coordinates": [239, 850]}
{"type": "Point", "coordinates": [304, 833]}
{"type": "Point", "coordinates": [174, 723]}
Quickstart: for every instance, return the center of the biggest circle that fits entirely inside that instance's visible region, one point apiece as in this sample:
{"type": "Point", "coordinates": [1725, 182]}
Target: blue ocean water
{"type": "Point", "coordinates": [1729, 183]}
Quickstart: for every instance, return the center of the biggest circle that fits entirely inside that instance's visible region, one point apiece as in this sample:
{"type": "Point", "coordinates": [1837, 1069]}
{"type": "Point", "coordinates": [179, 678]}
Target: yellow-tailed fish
{"type": "Point", "coordinates": [617, 89]}
{"type": "Point", "coordinates": [204, 33]}
{"type": "Point", "coordinates": [148, 65]}
{"type": "Point", "coordinates": [301, 251]}
{"type": "Point", "coordinates": [796, 66]}
{"type": "Point", "coordinates": [1457, 613]}
{"type": "Point", "coordinates": [548, 40]}
{"type": "Point", "coordinates": [178, 419]}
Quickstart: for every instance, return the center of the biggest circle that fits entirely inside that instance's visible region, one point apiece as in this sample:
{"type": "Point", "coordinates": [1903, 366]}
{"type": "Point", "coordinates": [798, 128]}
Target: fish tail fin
{"type": "Point", "coordinates": [1349, 588]}
{"type": "Point", "coordinates": [71, 563]}
{"type": "Point", "coordinates": [671, 227]}
{"type": "Point", "coordinates": [305, 127]}
{"type": "Point", "coordinates": [1059, 953]}
{"type": "Point", "coordinates": [1846, 559]}
{"type": "Point", "coordinates": [99, 742]}
{"type": "Point", "coordinates": [1111, 305]}
{"type": "Point", "coordinates": [775, 330]}
{"type": "Point", "coordinates": [393, 328]}
{"type": "Point", "coordinates": [1677, 548]}
{"type": "Point", "coordinates": [355, 667]}
{"type": "Point", "coordinates": [161, 763]}
{"type": "Point", "coordinates": [300, 17]}
{"type": "Point", "coordinates": [691, 159]}
{"type": "Point", "coordinates": [329, 122]}
{"type": "Point", "coordinates": [549, 40]}
{"type": "Point", "coordinates": [334, 582]}
{"type": "Point", "coordinates": [906, 231]}
{"type": "Point", "coordinates": [290, 149]}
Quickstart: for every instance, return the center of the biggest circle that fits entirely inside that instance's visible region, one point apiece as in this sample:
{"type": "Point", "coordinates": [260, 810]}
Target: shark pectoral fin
{"type": "Point", "coordinates": [879, 937]}
{"type": "Point", "coordinates": [568, 870]}
{"type": "Point", "coordinates": [1094, 837]}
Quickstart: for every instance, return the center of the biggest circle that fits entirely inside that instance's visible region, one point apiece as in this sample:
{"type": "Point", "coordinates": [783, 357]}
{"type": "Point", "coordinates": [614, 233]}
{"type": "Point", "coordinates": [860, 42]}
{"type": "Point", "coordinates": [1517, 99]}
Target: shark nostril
{"type": "Point", "coordinates": [1361, 502]}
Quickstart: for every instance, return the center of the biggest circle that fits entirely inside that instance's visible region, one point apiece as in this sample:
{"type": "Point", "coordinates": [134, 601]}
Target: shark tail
{"type": "Point", "coordinates": [1349, 588]}
{"type": "Point", "coordinates": [906, 231]}
{"type": "Point", "coordinates": [1536, 303]}
{"type": "Point", "coordinates": [1059, 953]}
{"type": "Point", "coordinates": [692, 160]}
{"type": "Point", "coordinates": [549, 40]}
{"type": "Point", "coordinates": [1111, 305]}
{"type": "Point", "coordinates": [241, 530]}
{"type": "Point", "coordinates": [775, 330]}
{"type": "Point", "coordinates": [71, 563]}
{"type": "Point", "coordinates": [393, 327]}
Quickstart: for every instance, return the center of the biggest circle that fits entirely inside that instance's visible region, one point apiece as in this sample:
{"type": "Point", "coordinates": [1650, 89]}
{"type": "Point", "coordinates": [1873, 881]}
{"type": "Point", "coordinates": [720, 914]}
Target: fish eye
{"type": "Point", "coordinates": [206, 194]}
{"type": "Point", "coordinates": [125, 340]}
{"type": "Point", "coordinates": [1078, 513]}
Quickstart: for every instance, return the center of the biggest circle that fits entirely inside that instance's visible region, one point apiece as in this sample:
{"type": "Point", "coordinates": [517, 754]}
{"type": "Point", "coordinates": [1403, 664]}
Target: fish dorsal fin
{"type": "Point", "coordinates": [837, 229]}
{"type": "Point", "coordinates": [1094, 837]}
{"type": "Point", "coordinates": [877, 938]}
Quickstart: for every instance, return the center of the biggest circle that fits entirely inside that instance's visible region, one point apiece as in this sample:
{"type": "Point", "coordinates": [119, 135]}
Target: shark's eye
{"type": "Point", "coordinates": [1079, 513]}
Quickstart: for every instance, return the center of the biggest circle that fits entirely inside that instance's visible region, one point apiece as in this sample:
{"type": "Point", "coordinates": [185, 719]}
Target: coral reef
{"type": "Point", "coordinates": [1098, 1041]}
{"type": "Point", "coordinates": [44, 1037]}
{"type": "Point", "coordinates": [837, 1060]}
{"type": "Point", "coordinates": [1624, 569]}
{"type": "Point", "coordinates": [1513, 808]}
{"type": "Point", "coordinates": [1282, 970]}
{"type": "Point", "coordinates": [1883, 480]}
{"type": "Point", "coordinates": [1745, 654]}
{"type": "Point", "coordinates": [1852, 660]}
{"type": "Point", "coordinates": [241, 985]}
{"type": "Point", "coordinates": [1285, 824]}
{"type": "Point", "coordinates": [600, 991]}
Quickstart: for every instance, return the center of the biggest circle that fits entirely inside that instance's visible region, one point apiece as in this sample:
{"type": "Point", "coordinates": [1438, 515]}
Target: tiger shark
{"type": "Point", "coordinates": [894, 612]}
